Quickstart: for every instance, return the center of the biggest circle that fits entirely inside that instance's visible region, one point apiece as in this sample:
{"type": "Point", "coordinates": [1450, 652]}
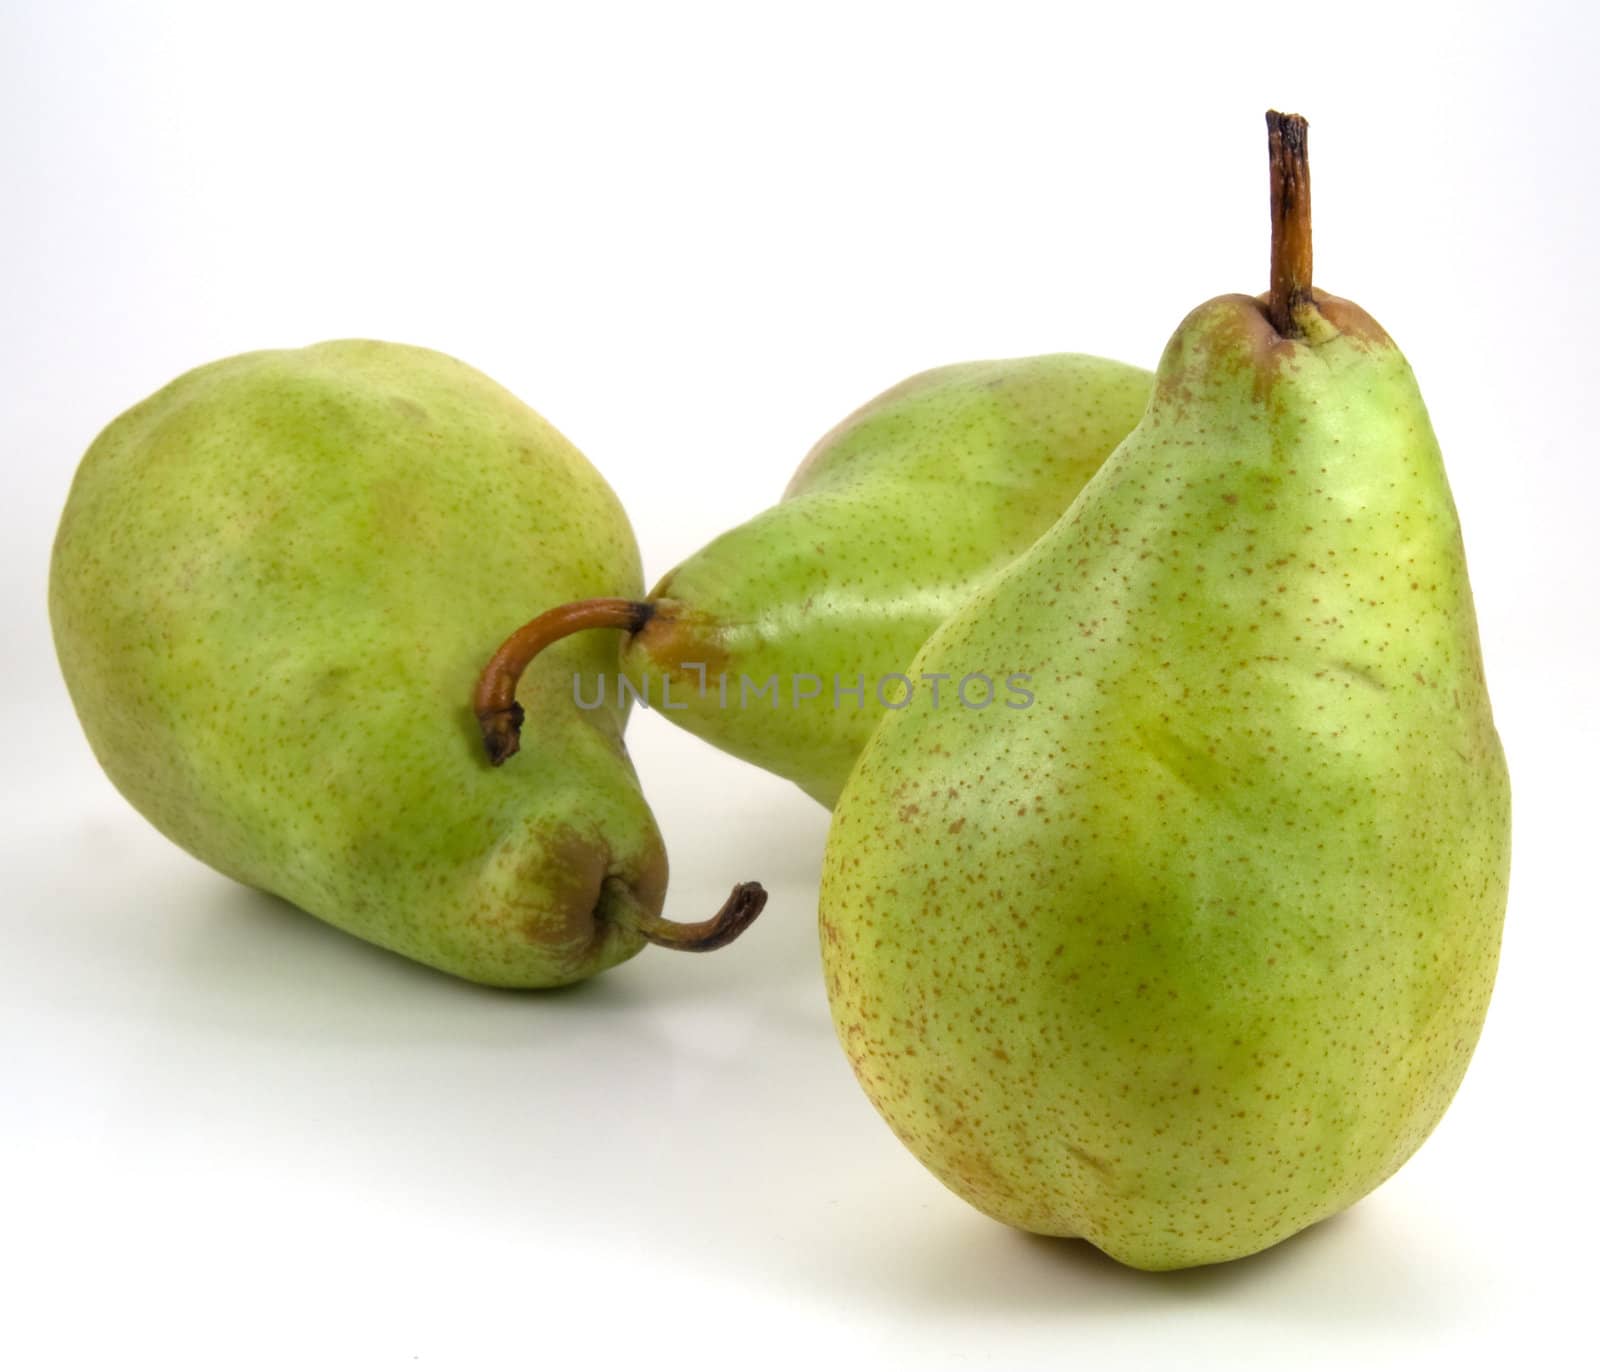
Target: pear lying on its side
{"type": "Point", "coordinates": [1193, 951]}
{"type": "Point", "coordinates": [271, 589]}
{"type": "Point", "coordinates": [781, 640]}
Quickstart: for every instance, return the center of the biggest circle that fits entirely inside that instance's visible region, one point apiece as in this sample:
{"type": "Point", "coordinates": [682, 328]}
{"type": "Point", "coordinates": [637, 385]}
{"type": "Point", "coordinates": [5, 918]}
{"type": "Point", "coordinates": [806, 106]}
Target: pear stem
{"type": "Point", "coordinates": [1290, 165]}
{"type": "Point", "coordinates": [500, 718]}
{"type": "Point", "coordinates": [736, 915]}
{"type": "Point", "coordinates": [495, 699]}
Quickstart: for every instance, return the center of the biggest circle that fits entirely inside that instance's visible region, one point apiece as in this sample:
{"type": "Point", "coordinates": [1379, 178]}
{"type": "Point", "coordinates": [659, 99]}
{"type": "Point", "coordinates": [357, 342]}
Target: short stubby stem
{"type": "Point", "coordinates": [494, 701]}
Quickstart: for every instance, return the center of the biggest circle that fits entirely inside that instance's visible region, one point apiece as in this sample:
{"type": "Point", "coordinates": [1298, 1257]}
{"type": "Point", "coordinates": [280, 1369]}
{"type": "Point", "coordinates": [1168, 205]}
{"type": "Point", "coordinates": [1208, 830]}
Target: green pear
{"type": "Point", "coordinates": [270, 592]}
{"type": "Point", "coordinates": [1191, 951]}
{"type": "Point", "coordinates": [785, 640]}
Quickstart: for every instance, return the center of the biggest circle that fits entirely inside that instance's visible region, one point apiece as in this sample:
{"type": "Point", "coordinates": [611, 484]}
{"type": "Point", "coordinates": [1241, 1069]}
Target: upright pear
{"type": "Point", "coordinates": [1193, 951]}
{"type": "Point", "coordinates": [270, 592]}
{"type": "Point", "coordinates": [785, 640]}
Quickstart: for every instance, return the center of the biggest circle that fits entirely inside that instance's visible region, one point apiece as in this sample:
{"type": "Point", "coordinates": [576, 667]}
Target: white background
{"type": "Point", "coordinates": [695, 236]}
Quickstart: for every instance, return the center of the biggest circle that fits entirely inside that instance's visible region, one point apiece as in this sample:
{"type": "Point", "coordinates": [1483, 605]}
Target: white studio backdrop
{"type": "Point", "coordinates": [694, 237]}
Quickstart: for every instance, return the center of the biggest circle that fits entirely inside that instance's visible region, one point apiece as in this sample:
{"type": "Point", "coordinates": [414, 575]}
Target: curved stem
{"type": "Point", "coordinates": [1291, 220]}
{"type": "Point", "coordinates": [495, 699]}
{"type": "Point", "coordinates": [735, 916]}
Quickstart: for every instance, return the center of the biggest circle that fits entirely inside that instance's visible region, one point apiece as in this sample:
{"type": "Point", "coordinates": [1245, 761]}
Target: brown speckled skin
{"type": "Point", "coordinates": [894, 518]}
{"type": "Point", "coordinates": [1194, 952]}
{"type": "Point", "coordinates": [273, 586]}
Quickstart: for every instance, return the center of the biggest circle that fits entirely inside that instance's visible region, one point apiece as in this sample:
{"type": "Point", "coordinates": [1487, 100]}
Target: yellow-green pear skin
{"type": "Point", "coordinates": [1192, 952]}
{"type": "Point", "coordinates": [272, 588]}
{"type": "Point", "coordinates": [895, 516]}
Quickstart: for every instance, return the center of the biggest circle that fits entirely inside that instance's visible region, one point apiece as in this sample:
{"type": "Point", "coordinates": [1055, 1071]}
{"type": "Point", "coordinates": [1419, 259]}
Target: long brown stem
{"type": "Point", "coordinates": [736, 915]}
{"type": "Point", "coordinates": [495, 699]}
{"type": "Point", "coordinates": [1291, 220]}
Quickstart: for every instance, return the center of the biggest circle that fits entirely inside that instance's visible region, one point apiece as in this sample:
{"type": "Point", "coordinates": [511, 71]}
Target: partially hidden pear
{"type": "Point", "coordinates": [270, 592]}
{"type": "Point", "coordinates": [1192, 952]}
{"type": "Point", "coordinates": [786, 639]}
